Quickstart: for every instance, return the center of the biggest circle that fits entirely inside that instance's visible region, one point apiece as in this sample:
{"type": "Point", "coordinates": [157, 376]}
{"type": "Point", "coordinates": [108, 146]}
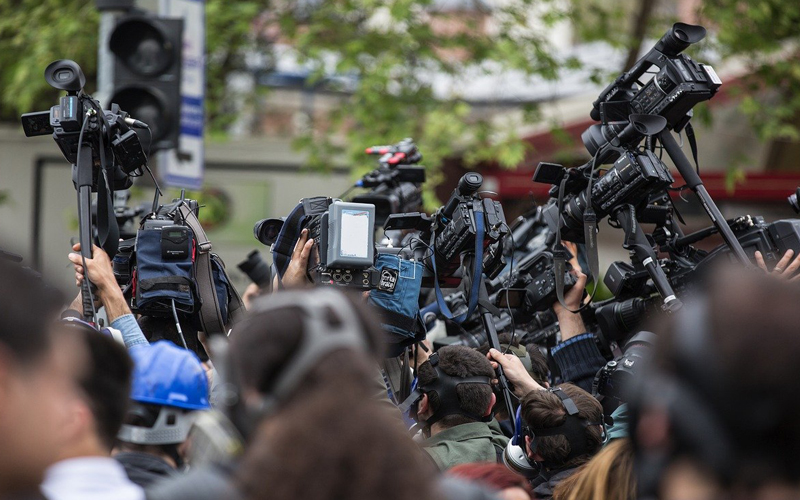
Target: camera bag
{"type": "Point", "coordinates": [397, 299]}
{"type": "Point", "coordinates": [157, 281]}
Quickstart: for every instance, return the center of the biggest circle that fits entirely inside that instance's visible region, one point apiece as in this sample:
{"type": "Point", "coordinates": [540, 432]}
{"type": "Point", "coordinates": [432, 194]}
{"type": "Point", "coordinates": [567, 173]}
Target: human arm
{"type": "Point", "coordinates": [101, 274]}
{"type": "Point", "coordinates": [521, 381]}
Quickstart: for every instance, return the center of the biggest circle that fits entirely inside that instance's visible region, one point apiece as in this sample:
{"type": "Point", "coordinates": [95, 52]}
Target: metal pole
{"type": "Point", "coordinates": [105, 59]}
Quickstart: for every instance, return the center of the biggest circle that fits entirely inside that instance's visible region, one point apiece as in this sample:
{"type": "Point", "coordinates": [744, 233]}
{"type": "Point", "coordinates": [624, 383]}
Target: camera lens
{"type": "Point", "coordinates": [267, 230]}
{"type": "Point", "coordinates": [793, 201]}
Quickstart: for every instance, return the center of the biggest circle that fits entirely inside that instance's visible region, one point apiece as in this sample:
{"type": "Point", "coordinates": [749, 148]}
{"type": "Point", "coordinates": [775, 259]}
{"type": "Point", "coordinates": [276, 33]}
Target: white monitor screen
{"type": "Point", "coordinates": [355, 234]}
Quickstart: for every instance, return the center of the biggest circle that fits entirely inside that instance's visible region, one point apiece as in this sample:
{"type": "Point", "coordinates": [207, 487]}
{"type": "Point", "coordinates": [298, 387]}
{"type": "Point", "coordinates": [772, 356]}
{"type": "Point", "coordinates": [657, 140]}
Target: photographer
{"type": "Point", "coordinates": [303, 363]}
{"type": "Point", "coordinates": [96, 409]}
{"type": "Point", "coordinates": [564, 429]}
{"type": "Point", "coordinates": [717, 416]}
{"type": "Point", "coordinates": [169, 386]}
{"type": "Point", "coordinates": [456, 406]}
{"type": "Point", "coordinates": [36, 383]}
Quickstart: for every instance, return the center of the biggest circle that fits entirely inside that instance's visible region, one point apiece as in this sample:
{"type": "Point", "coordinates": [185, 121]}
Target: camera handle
{"type": "Point", "coordinates": [636, 241]}
{"type": "Point", "coordinates": [84, 185]}
{"type": "Point", "coordinates": [694, 182]}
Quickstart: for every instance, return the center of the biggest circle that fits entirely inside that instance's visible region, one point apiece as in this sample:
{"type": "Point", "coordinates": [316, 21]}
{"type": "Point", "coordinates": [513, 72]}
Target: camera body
{"type": "Point", "coordinates": [533, 288]}
{"type": "Point", "coordinates": [633, 178]}
{"type": "Point", "coordinates": [612, 382]}
{"type": "Point", "coordinates": [345, 236]}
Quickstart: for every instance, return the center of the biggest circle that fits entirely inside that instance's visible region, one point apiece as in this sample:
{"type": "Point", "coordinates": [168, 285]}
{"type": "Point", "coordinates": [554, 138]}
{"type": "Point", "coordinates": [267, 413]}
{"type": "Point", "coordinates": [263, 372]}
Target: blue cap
{"type": "Point", "coordinates": [166, 375]}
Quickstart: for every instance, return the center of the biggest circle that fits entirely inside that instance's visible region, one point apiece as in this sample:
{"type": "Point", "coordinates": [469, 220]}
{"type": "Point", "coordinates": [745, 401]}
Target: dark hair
{"type": "Point", "coordinates": [331, 439]}
{"type": "Point", "coordinates": [27, 310]}
{"type": "Point", "coordinates": [491, 475]}
{"type": "Point", "coordinates": [539, 367]}
{"type": "Point", "coordinates": [163, 328]}
{"type": "Point", "coordinates": [544, 409]}
{"type": "Point", "coordinates": [460, 361]}
{"type": "Point", "coordinates": [106, 382]}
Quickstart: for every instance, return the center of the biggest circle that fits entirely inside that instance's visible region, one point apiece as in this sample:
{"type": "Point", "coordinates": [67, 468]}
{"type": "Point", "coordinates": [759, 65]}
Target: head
{"type": "Point", "coordinates": [607, 476]}
{"type": "Point", "coordinates": [309, 442]}
{"type": "Point", "coordinates": [475, 399]}
{"type": "Point", "coordinates": [35, 380]}
{"type": "Point", "coordinates": [540, 370]}
{"type": "Point", "coordinates": [169, 386]}
{"type": "Point", "coordinates": [103, 387]}
{"type": "Point", "coordinates": [544, 410]}
{"type": "Point", "coordinates": [717, 413]}
{"type": "Point", "coordinates": [272, 338]}
{"type": "Point", "coordinates": [496, 477]}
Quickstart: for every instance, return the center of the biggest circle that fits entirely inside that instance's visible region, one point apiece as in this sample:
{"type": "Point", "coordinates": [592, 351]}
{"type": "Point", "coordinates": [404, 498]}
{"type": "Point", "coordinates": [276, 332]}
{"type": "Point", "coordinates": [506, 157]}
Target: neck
{"type": "Point", "coordinates": [155, 451]}
{"type": "Point", "coordinates": [88, 445]}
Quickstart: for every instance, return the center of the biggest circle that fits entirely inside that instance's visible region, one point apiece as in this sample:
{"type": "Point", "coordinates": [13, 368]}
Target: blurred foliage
{"type": "Point", "coordinates": [391, 50]}
{"type": "Point", "coordinates": [765, 33]}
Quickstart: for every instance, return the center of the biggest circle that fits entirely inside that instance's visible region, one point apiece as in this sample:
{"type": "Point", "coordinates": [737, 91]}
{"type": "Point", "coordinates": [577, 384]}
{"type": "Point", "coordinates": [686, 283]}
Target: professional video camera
{"type": "Point", "coordinates": [612, 382]}
{"type": "Point", "coordinates": [395, 184]}
{"type": "Point", "coordinates": [103, 149]}
{"type": "Point", "coordinates": [467, 223]}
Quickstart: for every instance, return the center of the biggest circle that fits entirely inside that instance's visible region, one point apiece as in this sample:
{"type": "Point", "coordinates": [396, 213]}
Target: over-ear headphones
{"type": "Point", "coordinates": [445, 386]}
{"type": "Point", "coordinates": [573, 429]}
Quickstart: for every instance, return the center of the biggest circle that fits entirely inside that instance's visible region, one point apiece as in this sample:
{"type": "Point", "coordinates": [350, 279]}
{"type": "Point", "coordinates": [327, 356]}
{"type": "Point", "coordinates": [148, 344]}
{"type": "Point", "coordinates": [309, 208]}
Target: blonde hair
{"type": "Point", "coordinates": [607, 476]}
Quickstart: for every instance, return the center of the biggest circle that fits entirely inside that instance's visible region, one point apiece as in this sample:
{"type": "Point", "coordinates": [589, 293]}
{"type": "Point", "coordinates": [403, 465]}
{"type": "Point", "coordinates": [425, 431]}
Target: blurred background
{"type": "Point", "coordinates": [259, 103]}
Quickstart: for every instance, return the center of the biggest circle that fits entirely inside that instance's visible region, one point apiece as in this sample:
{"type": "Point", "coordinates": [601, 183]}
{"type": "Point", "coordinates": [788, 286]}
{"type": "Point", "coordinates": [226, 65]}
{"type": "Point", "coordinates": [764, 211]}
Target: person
{"type": "Point", "coordinates": [496, 477]}
{"type": "Point", "coordinates": [85, 469]}
{"type": "Point", "coordinates": [608, 475]}
{"type": "Point", "coordinates": [169, 386]}
{"type": "Point", "coordinates": [35, 382]}
{"type": "Point", "coordinates": [303, 364]}
{"type": "Point", "coordinates": [454, 404]}
{"type": "Point", "coordinates": [717, 414]}
{"type": "Point", "coordinates": [564, 429]}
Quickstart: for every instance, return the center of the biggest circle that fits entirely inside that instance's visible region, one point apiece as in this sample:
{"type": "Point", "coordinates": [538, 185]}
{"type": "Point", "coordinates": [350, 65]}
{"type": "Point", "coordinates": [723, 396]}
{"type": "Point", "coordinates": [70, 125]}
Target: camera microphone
{"type": "Point", "coordinates": [136, 123]}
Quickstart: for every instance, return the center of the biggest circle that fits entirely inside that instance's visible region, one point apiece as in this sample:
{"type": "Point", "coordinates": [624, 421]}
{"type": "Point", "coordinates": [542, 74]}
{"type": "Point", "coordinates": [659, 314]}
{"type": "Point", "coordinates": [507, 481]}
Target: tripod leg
{"type": "Point", "coordinates": [83, 179]}
{"type": "Point", "coordinates": [636, 241]}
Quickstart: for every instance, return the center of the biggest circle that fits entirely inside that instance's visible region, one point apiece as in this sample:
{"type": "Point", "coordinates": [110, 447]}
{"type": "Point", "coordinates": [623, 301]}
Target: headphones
{"type": "Point", "coordinates": [573, 429]}
{"type": "Point", "coordinates": [445, 386]}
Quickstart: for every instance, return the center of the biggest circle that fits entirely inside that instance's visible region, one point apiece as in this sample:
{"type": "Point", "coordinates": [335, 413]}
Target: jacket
{"type": "Point", "coordinates": [466, 443]}
{"type": "Point", "coordinates": [144, 469]}
{"type": "Point", "coordinates": [544, 485]}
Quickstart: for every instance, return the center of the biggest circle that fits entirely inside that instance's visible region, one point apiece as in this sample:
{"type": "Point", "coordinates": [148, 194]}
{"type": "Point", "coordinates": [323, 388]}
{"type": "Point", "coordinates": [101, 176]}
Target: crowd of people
{"type": "Point", "coordinates": [293, 402]}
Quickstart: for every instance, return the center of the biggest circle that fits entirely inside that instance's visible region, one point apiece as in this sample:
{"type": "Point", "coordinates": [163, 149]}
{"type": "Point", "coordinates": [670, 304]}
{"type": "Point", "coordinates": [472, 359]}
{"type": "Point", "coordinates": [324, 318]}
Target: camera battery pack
{"type": "Point", "coordinates": [176, 242]}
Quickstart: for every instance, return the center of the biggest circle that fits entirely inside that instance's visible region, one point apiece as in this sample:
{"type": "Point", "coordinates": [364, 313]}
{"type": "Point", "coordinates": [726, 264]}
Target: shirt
{"type": "Point", "coordinates": [89, 478]}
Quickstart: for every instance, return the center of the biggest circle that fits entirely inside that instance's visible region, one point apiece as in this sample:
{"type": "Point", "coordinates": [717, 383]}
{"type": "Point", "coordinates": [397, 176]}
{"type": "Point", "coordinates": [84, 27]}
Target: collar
{"type": "Point", "coordinates": [462, 432]}
{"type": "Point", "coordinates": [89, 478]}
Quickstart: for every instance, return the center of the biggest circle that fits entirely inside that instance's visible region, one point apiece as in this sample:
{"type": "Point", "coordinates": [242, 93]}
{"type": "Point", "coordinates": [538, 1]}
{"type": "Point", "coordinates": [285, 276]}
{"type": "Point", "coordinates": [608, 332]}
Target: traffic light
{"type": "Point", "coordinates": [147, 74]}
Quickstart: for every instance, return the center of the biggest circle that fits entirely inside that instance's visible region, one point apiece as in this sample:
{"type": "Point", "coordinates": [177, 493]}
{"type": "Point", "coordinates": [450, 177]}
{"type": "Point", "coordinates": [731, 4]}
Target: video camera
{"type": "Point", "coordinates": [454, 229]}
{"type": "Point", "coordinates": [395, 185]}
{"type": "Point", "coordinates": [78, 119]}
{"type": "Point", "coordinates": [672, 92]}
{"type": "Point", "coordinates": [612, 382]}
{"type": "Point", "coordinates": [532, 289]}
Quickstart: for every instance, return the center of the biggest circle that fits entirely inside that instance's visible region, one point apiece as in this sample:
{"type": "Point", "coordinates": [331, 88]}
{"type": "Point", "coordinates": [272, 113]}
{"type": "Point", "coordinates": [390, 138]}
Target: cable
{"type": "Point", "coordinates": [508, 288]}
{"type": "Point", "coordinates": [178, 325]}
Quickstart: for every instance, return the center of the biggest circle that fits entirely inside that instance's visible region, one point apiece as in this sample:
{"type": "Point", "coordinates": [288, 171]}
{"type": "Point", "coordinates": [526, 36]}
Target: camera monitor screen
{"type": "Point", "coordinates": [355, 234]}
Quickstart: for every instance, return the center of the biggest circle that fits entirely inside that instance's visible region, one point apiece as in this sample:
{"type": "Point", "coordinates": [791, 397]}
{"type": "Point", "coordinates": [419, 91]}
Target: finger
{"type": "Point", "coordinates": [306, 250]}
{"type": "Point", "coordinates": [760, 260]}
{"type": "Point", "coordinates": [75, 258]}
{"type": "Point", "coordinates": [582, 279]}
{"type": "Point", "coordinates": [76, 247]}
{"type": "Point", "coordinates": [796, 278]}
{"type": "Point", "coordinates": [79, 270]}
{"type": "Point", "coordinates": [793, 266]}
{"type": "Point", "coordinates": [780, 267]}
{"type": "Point", "coordinates": [300, 244]}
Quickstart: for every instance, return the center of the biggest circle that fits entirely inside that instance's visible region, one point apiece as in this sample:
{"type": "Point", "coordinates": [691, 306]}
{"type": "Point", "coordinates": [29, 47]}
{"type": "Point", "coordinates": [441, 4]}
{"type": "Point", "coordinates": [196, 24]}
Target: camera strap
{"type": "Point", "coordinates": [477, 273]}
{"type": "Point", "coordinates": [210, 313]}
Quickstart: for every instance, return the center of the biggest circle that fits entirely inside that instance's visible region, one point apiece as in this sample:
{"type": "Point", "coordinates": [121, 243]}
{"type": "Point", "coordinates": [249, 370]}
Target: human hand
{"type": "Point", "coordinates": [99, 268]}
{"type": "Point", "coordinates": [250, 293]}
{"type": "Point", "coordinates": [570, 323]}
{"type": "Point", "coordinates": [514, 371]}
{"type": "Point", "coordinates": [296, 275]}
{"type": "Point", "coordinates": [785, 267]}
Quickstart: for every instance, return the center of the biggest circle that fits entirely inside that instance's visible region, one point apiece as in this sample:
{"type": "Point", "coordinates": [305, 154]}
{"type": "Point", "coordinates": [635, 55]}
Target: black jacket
{"type": "Point", "coordinates": [544, 485]}
{"type": "Point", "coordinates": [144, 469]}
{"type": "Point", "coordinates": [579, 360]}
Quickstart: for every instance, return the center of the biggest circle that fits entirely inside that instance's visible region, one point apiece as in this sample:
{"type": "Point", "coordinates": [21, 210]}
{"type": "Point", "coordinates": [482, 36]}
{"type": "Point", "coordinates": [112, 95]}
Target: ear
{"type": "Point", "coordinates": [528, 447]}
{"type": "Point", "coordinates": [423, 407]}
{"type": "Point", "coordinates": [491, 405]}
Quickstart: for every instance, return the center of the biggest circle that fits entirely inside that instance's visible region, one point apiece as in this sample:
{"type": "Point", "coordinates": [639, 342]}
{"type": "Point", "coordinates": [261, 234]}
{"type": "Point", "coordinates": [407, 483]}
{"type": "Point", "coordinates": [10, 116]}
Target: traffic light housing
{"type": "Point", "coordinates": [147, 74]}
